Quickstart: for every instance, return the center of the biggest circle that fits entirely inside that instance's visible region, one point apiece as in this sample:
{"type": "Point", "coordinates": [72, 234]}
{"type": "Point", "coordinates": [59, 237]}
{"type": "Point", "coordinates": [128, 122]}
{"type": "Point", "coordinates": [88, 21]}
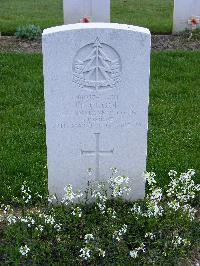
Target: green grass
{"type": "Point", "coordinates": [22, 122]}
{"type": "Point", "coordinates": [174, 113]}
{"type": "Point", "coordinates": [154, 14]}
{"type": "Point", "coordinates": [15, 13]}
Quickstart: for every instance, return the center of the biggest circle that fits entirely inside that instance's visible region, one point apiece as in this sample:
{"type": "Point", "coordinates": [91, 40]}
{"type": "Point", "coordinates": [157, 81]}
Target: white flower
{"type": "Point", "coordinates": [150, 235]}
{"type": "Point", "coordinates": [69, 193]}
{"type": "Point", "coordinates": [39, 228]}
{"type": "Point", "coordinates": [114, 170]}
{"type": "Point", "coordinates": [77, 212]}
{"type": "Point", "coordinates": [173, 205]}
{"type": "Point", "coordinates": [24, 250]}
{"type": "Point", "coordinates": [156, 194]}
{"type": "Point", "coordinates": [70, 196]}
{"type": "Point", "coordinates": [79, 194]}
{"type": "Point", "coordinates": [101, 252]}
{"type": "Point", "coordinates": [119, 180]}
{"type": "Point", "coordinates": [48, 219]}
{"type": "Point", "coordinates": [24, 220]}
{"type": "Point", "coordinates": [7, 208]}
{"type": "Point", "coordinates": [101, 206]}
{"type": "Point", "coordinates": [191, 172]}
{"type": "Point", "coordinates": [197, 187]}
{"type": "Point", "coordinates": [178, 241]}
{"type": "Point", "coordinates": [88, 237]}
{"type": "Point", "coordinates": [186, 242]}
{"type": "Point", "coordinates": [118, 186]}
{"type": "Point", "coordinates": [182, 188]}
{"type": "Point", "coordinates": [133, 253]}
{"type": "Point", "coordinates": [172, 173]}
{"type": "Point", "coordinates": [118, 234]}
{"type": "Point", "coordinates": [101, 200]}
{"type": "Point", "coordinates": [112, 212]}
{"type": "Point", "coordinates": [190, 211]}
{"type": "Point", "coordinates": [153, 210]}
{"type": "Point", "coordinates": [136, 209]}
{"type": "Point", "coordinates": [38, 195]}
{"type": "Point", "coordinates": [85, 253]}
{"type": "Point", "coordinates": [57, 227]}
{"type": "Point", "coordinates": [150, 178]}
{"type": "Point", "coordinates": [51, 198]}
{"type": "Point", "coordinates": [12, 219]}
{"type": "Point", "coordinates": [26, 193]}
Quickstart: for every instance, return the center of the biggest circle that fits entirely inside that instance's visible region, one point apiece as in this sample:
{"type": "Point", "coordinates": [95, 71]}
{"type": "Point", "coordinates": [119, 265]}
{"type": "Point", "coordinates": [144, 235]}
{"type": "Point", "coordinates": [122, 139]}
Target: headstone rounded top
{"type": "Point", "coordinates": [79, 26]}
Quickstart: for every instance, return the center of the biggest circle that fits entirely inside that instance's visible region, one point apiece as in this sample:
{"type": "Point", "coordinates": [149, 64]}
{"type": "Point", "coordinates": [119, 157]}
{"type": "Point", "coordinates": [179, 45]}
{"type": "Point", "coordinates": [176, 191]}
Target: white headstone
{"type": "Point", "coordinates": [95, 10]}
{"type": "Point", "coordinates": [96, 79]}
{"type": "Point", "coordinates": [184, 12]}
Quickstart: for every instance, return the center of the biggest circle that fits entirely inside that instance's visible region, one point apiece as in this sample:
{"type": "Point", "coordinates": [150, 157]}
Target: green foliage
{"type": "Point", "coordinates": [192, 34]}
{"type": "Point", "coordinates": [158, 230]}
{"type": "Point", "coordinates": [153, 14]}
{"type": "Point", "coordinates": [30, 32]}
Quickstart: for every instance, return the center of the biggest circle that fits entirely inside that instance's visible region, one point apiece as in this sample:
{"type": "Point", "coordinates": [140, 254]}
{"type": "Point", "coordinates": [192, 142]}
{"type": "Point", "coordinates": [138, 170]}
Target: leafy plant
{"type": "Point", "coordinates": [30, 32]}
{"type": "Point", "coordinates": [159, 230]}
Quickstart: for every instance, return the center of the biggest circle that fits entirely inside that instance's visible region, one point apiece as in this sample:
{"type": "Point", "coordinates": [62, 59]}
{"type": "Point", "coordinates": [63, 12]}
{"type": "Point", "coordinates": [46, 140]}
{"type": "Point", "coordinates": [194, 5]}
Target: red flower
{"type": "Point", "coordinates": [85, 20]}
{"type": "Point", "coordinates": [194, 21]}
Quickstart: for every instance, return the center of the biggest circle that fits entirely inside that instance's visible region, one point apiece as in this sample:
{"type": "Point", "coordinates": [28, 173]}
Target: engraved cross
{"type": "Point", "coordinates": [97, 152]}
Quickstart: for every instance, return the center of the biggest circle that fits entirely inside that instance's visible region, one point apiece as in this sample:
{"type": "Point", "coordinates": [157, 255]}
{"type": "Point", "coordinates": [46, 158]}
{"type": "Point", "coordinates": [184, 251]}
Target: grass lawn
{"type": "Point", "coordinates": [154, 14]}
{"type": "Point", "coordinates": [174, 141]}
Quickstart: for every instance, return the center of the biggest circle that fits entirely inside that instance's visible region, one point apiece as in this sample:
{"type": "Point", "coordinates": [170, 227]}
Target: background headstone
{"type": "Point", "coordinates": [95, 10]}
{"type": "Point", "coordinates": [96, 79]}
{"type": "Point", "coordinates": [184, 10]}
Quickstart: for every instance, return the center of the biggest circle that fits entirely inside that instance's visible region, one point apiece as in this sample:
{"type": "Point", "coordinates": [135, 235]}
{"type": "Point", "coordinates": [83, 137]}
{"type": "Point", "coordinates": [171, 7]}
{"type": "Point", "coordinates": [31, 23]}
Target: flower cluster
{"type": "Point", "coordinates": [100, 200]}
{"type": "Point", "coordinates": [27, 220]}
{"type": "Point", "coordinates": [51, 198]}
{"type": "Point", "coordinates": [90, 248]}
{"type": "Point", "coordinates": [178, 241]}
{"type": "Point", "coordinates": [181, 191]}
{"type": "Point", "coordinates": [119, 234]}
{"type": "Point", "coordinates": [119, 186]}
{"type": "Point", "coordinates": [85, 253]}
{"type": "Point", "coordinates": [134, 253]}
{"type": "Point", "coordinates": [144, 228]}
{"type": "Point", "coordinates": [24, 250]}
{"type": "Point", "coordinates": [153, 206]}
{"type": "Point", "coordinates": [26, 193]}
{"type": "Point", "coordinates": [70, 196]}
{"type": "Point", "coordinates": [76, 211]}
{"type": "Point", "coordinates": [183, 188]}
{"type": "Point", "coordinates": [150, 235]}
{"type": "Point", "coordinates": [112, 213]}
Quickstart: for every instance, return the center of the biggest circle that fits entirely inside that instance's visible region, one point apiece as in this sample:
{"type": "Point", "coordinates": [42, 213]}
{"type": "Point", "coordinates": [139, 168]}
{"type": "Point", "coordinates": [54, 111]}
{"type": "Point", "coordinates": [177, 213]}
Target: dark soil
{"type": "Point", "coordinates": [159, 43]}
{"type": "Point", "coordinates": [184, 42]}
{"type": "Point", "coordinates": [13, 44]}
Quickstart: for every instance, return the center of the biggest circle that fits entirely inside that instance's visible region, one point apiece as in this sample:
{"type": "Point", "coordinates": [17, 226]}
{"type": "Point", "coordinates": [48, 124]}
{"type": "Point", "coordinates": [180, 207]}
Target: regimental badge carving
{"type": "Point", "coordinates": [97, 66]}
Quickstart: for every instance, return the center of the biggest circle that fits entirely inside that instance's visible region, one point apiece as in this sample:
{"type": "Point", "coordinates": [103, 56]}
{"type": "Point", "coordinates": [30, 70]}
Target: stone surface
{"type": "Point", "coordinates": [96, 79]}
{"type": "Point", "coordinates": [95, 10]}
{"type": "Point", "coordinates": [183, 11]}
